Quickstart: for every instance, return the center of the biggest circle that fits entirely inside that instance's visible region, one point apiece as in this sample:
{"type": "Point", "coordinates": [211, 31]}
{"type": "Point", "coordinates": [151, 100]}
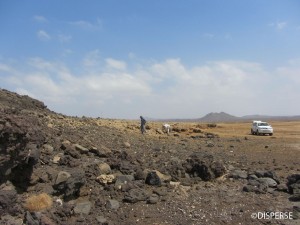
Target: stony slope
{"type": "Point", "coordinates": [90, 171]}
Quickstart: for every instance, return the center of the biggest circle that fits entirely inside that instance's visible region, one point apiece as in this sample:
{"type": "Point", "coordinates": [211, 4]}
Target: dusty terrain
{"type": "Point", "coordinates": [103, 171]}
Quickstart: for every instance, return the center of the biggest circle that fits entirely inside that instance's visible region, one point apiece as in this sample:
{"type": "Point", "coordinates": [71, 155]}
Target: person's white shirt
{"type": "Point", "coordinates": [166, 128]}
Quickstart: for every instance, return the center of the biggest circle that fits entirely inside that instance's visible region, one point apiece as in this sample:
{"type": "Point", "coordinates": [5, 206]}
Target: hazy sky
{"type": "Point", "coordinates": [158, 58]}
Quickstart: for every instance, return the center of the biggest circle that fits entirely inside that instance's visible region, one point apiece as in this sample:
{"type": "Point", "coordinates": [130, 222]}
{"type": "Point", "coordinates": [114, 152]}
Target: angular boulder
{"type": "Point", "coordinates": [204, 166]}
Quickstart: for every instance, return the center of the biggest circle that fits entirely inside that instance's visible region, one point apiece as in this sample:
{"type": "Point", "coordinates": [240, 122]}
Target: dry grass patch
{"type": "Point", "coordinates": [38, 202]}
{"type": "Point", "coordinates": [282, 129]}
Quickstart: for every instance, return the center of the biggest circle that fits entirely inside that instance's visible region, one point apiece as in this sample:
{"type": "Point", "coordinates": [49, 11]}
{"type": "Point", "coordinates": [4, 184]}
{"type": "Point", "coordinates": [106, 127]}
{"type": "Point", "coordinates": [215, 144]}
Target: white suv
{"type": "Point", "coordinates": [259, 127]}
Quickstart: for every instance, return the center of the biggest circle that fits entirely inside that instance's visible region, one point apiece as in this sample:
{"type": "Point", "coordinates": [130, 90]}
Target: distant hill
{"type": "Point", "coordinates": [225, 117]}
{"type": "Point", "coordinates": [215, 117]}
{"type": "Point", "coordinates": [219, 117]}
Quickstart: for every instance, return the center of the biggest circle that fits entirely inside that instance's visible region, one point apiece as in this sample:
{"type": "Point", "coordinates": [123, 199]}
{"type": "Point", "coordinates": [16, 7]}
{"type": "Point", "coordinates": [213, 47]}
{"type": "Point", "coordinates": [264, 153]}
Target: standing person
{"type": "Point", "coordinates": [143, 123]}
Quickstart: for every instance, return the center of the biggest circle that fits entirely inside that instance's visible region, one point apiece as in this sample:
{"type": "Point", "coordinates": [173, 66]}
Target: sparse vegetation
{"type": "Point", "coordinates": [211, 125]}
{"type": "Point", "coordinates": [38, 202]}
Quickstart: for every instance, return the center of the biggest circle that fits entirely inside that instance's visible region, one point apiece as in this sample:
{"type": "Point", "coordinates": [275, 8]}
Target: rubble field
{"type": "Point", "coordinates": [58, 169]}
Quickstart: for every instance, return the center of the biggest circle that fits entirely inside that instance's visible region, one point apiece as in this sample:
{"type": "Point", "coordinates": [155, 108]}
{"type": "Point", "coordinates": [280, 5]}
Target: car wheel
{"type": "Point", "coordinates": [257, 133]}
{"type": "Point", "coordinates": [252, 132]}
{"type": "Point", "coordinates": [271, 134]}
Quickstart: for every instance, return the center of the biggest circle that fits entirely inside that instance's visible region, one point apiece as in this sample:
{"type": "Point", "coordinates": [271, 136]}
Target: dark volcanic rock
{"type": "Point", "coordinates": [70, 150]}
{"type": "Point", "coordinates": [69, 184]}
{"type": "Point", "coordinates": [238, 174]}
{"type": "Point", "coordinates": [296, 212]}
{"type": "Point", "coordinates": [153, 199]}
{"type": "Point", "coordinates": [8, 196]}
{"type": "Point", "coordinates": [112, 204]}
{"type": "Point", "coordinates": [83, 208]}
{"type": "Point", "coordinates": [176, 170]}
{"type": "Point", "coordinates": [135, 195]}
{"type": "Point", "coordinates": [101, 151]}
{"type": "Point", "coordinates": [203, 165]}
{"type": "Point", "coordinates": [292, 182]}
{"type": "Point", "coordinates": [270, 174]}
{"type": "Point", "coordinates": [153, 179]}
{"type": "Point", "coordinates": [123, 162]}
{"type": "Point", "coordinates": [123, 181]}
{"type": "Point", "coordinates": [294, 186]}
{"type": "Point", "coordinates": [20, 143]}
{"type": "Point", "coordinates": [32, 218]}
{"type": "Point", "coordinates": [269, 181]}
{"type": "Point", "coordinates": [257, 186]}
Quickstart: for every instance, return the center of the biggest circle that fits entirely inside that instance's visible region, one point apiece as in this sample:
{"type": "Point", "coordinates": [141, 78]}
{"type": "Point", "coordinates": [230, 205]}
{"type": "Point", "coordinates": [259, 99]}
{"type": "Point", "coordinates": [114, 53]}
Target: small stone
{"type": "Point", "coordinates": [101, 151]}
{"type": "Point", "coordinates": [259, 173]}
{"type": "Point", "coordinates": [135, 195]}
{"type": "Point", "coordinates": [106, 179]}
{"type": "Point", "coordinates": [101, 219]}
{"type": "Point", "coordinates": [127, 144]}
{"type": "Point", "coordinates": [48, 149]}
{"type": "Point", "coordinates": [153, 199]}
{"type": "Point", "coordinates": [112, 204]}
{"type": "Point", "coordinates": [65, 144]}
{"type": "Point", "coordinates": [296, 212]}
{"type": "Point", "coordinates": [282, 187]}
{"type": "Point", "coordinates": [82, 149]}
{"type": "Point", "coordinates": [140, 175]}
{"type": "Point", "coordinates": [62, 176]}
{"type": "Point", "coordinates": [57, 157]}
{"type": "Point", "coordinates": [252, 177]}
{"type": "Point", "coordinates": [174, 184]}
{"type": "Point", "coordinates": [238, 174]}
{"type": "Point", "coordinates": [83, 208]}
{"type": "Point", "coordinates": [123, 180]}
{"type": "Point", "coordinates": [153, 179]}
{"type": "Point", "coordinates": [162, 176]}
{"type": "Point", "coordinates": [269, 181]}
{"type": "Point", "coordinates": [230, 167]}
{"type": "Point", "coordinates": [104, 168]}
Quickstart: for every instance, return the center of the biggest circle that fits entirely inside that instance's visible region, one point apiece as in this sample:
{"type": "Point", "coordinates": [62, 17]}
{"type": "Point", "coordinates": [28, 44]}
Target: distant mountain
{"type": "Point", "coordinates": [225, 117]}
{"type": "Point", "coordinates": [215, 117]}
{"type": "Point", "coordinates": [219, 117]}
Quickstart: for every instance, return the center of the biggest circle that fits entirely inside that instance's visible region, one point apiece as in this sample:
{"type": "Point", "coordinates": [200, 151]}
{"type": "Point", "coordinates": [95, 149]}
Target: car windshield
{"type": "Point", "coordinates": [263, 124]}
